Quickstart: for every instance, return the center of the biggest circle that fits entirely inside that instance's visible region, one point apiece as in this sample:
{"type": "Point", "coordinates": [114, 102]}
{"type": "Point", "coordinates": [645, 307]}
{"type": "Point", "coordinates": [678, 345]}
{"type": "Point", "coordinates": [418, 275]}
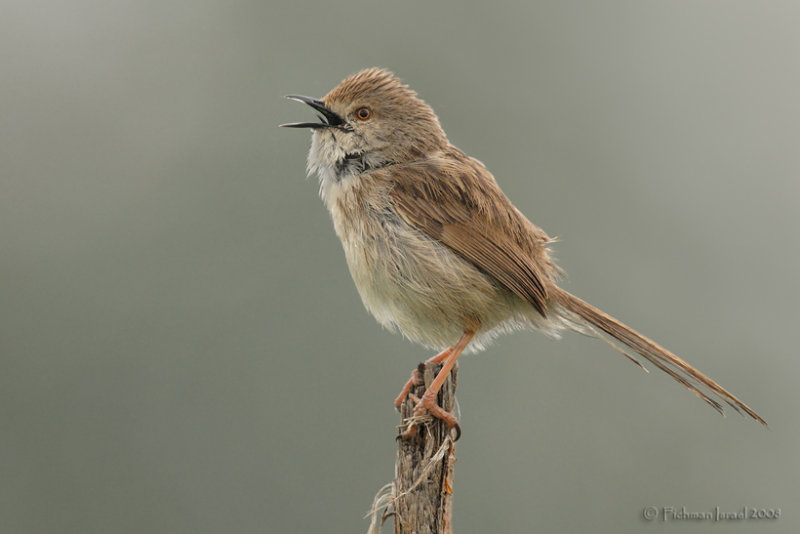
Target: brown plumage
{"type": "Point", "coordinates": [436, 250]}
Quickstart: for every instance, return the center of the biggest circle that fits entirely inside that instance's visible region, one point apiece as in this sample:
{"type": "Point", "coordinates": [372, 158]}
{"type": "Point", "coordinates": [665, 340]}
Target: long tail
{"type": "Point", "coordinates": [694, 380]}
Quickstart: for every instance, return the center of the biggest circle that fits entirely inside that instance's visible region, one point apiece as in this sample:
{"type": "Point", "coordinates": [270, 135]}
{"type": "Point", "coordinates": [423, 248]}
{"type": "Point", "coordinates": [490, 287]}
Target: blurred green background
{"type": "Point", "coordinates": [182, 347]}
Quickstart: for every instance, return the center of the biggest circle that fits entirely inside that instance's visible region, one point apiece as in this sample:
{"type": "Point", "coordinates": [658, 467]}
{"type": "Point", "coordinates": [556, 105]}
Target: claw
{"type": "Point", "coordinates": [428, 402]}
{"type": "Point", "coordinates": [415, 380]}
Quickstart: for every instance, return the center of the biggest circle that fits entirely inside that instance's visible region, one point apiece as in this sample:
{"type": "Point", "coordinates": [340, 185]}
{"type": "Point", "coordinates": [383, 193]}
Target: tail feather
{"type": "Point", "coordinates": [698, 383]}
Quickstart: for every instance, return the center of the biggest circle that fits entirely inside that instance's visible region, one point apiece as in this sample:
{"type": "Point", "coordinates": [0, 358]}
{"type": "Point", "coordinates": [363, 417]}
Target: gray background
{"type": "Point", "coordinates": [183, 349]}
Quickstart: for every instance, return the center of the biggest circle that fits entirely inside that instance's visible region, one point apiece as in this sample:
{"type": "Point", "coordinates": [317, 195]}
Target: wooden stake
{"type": "Point", "coordinates": [421, 496]}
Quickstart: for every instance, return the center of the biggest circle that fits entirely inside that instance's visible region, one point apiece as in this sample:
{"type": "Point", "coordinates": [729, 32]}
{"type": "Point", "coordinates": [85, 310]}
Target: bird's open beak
{"type": "Point", "coordinates": [328, 118]}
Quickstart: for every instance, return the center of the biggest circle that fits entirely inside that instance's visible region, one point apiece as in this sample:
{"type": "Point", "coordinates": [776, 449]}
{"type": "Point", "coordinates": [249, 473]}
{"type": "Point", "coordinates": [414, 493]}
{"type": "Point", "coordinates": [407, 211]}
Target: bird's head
{"type": "Point", "coordinates": [370, 120]}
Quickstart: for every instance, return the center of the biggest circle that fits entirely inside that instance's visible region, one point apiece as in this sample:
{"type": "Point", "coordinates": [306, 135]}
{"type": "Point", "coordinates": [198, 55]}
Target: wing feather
{"type": "Point", "coordinates": [457, 202]}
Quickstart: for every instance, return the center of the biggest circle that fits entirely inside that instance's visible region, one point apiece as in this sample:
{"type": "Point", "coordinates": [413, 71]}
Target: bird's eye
{"type": "Point", "coordinates": [363, 114]}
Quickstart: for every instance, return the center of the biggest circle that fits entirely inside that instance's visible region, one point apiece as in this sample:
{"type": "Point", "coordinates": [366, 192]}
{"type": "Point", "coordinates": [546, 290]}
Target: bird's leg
{"type": "Point", "coordinates": [416, 378]}
{"type": "Point", "coordinates": [428, 400]}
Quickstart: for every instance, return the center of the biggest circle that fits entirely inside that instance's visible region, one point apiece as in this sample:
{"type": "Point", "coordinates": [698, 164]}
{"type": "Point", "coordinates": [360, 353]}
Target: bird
{"type": "Point", "coordinates": [435, 248]}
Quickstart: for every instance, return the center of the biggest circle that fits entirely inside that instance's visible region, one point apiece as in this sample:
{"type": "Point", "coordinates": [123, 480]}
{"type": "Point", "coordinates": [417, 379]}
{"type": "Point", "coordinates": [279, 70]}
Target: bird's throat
{"type": "Point", "coordinates": [350, 164]}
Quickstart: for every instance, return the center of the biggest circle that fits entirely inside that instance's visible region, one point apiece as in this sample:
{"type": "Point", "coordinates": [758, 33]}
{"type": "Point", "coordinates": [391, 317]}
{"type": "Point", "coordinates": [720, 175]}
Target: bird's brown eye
{"type": "Point", "coordinates": [363, 114]}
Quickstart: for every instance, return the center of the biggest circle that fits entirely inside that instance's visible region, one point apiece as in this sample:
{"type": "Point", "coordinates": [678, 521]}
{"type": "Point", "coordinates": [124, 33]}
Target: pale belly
{"type": "Point", "coordinates": [419, 287]}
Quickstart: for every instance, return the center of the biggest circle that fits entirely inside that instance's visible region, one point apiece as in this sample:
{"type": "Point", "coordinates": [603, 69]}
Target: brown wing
{"type": "Point", "coordinates": [456, 201]}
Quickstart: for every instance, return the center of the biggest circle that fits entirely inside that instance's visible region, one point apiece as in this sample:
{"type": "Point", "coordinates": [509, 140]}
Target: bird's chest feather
{"type": "Point", "coordinates": [379, 246]}
{"type": "Point", "coordinates": [405, 278]}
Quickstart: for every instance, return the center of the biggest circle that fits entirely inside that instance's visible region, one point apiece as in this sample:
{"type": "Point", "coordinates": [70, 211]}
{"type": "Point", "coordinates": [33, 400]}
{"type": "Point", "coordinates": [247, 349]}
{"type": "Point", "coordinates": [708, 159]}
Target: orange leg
{"type": "Point", "coordinates": [415, 379]}
{"type": "Point", "coordinates": [428, 400]}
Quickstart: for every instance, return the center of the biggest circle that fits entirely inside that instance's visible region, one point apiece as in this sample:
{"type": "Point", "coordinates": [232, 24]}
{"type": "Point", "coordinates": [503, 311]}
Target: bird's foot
{"type": "Point", "coordinates": [425, 408]}
{"type": "Point", "coordinates": [428, 404]}
{"type": "Point", "coordinates": [415, 380]}
{"type": "Point", "coordinates": [416, 376]}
